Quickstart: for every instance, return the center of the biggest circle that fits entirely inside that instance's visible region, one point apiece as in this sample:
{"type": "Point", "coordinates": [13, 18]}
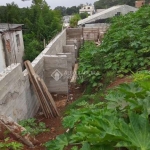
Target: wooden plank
{"type": "Point", "coordinates": [46, 101]}
{"type": "Point", "coordinates": [37, 89]}
{"type": "Point", "coordinates": [50, 98]}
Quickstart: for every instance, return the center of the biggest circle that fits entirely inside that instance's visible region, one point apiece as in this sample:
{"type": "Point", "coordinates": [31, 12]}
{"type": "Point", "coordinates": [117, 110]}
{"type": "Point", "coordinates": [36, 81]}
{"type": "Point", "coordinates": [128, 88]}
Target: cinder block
{"type": "Point", "coordinates": [70, 49]}
{"type": "Point", "coordinates": [55, 77]}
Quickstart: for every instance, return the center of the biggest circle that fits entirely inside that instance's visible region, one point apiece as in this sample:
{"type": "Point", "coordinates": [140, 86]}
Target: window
{"type": "Point", "coordinates": [18, 40]}
{"type": "Point", "coordinates": [88, 7]}
{"type": "Point", "coordinates": [118, 14]}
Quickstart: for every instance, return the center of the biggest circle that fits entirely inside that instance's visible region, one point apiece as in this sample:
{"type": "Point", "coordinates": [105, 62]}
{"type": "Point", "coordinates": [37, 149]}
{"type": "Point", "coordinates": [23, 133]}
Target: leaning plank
{"type": "Point", "coordinates": [49, 97]}
{"type": "Point", "coordinates": [74, 77]}
{"type": "Point", "coordinates": [17, 130]}
{"type": "Point", "coordinates": [36, 90]}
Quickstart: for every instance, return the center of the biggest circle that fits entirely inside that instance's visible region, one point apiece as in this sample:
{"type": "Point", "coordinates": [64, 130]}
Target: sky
{"type": "Point", "coordinates": [52, 3]}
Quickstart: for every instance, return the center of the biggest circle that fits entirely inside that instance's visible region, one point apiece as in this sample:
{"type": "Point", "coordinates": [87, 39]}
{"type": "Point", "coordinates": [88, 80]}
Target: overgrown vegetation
{"type": "Point", "coordinates": [10, 145]}
{"type": "Point", "coordinates": [40, 22]}
{"type": "Point", "coordinates": [124, 48]}
{"type": "Point", "coordinates": [74, 20]}
{"type": "Point", "coordinates": [33, 127]}
{"type": "Point", "coordinates": [121, 119]}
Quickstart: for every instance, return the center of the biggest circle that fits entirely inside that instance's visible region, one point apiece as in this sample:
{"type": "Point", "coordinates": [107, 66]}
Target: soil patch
{"type": "Point", "coordinates": [119, 81]}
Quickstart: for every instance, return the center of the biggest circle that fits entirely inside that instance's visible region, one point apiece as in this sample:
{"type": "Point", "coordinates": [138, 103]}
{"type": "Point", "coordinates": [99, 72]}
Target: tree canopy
{"type": "Point", "coordinates": [40, 22]}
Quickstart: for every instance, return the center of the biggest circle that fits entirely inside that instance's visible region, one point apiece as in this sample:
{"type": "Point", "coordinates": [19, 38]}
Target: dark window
{"type": "Point", "coordinates": [18, 40]}
{"type": "Point", "coordinates": [118, 14]}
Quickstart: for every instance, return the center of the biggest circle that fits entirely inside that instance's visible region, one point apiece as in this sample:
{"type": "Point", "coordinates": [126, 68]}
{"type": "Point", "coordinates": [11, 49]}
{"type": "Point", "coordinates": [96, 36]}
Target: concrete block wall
{"type": "Point", "coordinates": [91, 34]}
{"type": "Point", "coordinates": [70, 49]}
{"type": "Point", "coordinates": [56, 73]}
{"type": "Point", "coordinates": [87, 34]}
{"type": "Point", "coordinates": [17, 98]}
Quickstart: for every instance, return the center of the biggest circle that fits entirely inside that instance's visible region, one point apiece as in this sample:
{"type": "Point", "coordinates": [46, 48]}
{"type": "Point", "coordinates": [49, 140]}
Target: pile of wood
{"type": "Point", "coordinates": [45, 98]}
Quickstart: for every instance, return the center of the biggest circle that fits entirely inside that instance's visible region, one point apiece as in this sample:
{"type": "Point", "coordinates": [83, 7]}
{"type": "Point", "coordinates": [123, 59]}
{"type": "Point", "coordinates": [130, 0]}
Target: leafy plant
{"type": "Point", "coordinates": [10, 145]}
{"type": "Point", "coordinates": [136, 134]}
{"type": "Point", "coordinates": [61, 139]}
{"type": "Point", "coordinates": [125, 48]}
{"type": "Point", "coordinates": [33, 127]}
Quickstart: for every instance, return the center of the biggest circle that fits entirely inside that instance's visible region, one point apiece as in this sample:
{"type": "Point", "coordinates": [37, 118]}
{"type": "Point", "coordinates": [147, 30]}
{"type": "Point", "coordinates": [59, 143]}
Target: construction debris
{"type": "Point", "coordinates": [17, 130]}
{"type": "Point", "coordinates": [74, 77]}
{"type": "Point", "coordinates": [46, 100]}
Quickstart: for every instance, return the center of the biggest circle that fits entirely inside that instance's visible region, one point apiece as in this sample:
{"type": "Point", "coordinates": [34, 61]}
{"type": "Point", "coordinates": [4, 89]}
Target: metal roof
{"type": "Point", "coordinates": [107, 13]}
{"type": "Point", "coordinates": [7, 26]}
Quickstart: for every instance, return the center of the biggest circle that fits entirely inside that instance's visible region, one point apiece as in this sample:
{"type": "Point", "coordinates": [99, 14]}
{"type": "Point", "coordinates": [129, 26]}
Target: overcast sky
{"type": "Point", "coordinates": [52, 3]}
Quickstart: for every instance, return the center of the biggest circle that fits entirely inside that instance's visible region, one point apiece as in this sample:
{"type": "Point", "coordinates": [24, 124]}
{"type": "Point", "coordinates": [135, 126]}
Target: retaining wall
{"type": "Point", "coordinates": [17, 98]}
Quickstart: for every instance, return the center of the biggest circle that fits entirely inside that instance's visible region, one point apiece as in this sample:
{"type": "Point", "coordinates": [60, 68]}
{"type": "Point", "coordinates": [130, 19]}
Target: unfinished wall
{"type": "Point", "coordinates": [56, 45]}
{"type": "Point", "coordinates": [17, 98]}
{"type": "Point", "coordinates": [86, 34]}
{"type": "Point", "coordinates": [55, 73]}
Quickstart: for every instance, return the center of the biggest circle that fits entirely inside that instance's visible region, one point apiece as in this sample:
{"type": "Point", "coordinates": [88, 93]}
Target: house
{"type": "Point", "coordinates": [102, 16]}
{"type": "Point", "coordinates": [89, 9]}
{"type": "Point", "coordinates": [139, 3]}
{"type": "Point", "coordinates": [11, 45]}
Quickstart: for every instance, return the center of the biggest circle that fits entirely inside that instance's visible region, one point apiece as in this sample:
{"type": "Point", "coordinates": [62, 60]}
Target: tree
{"type": "Point", "coordinates": [62, 10]}
{"type": "Point", "coordinates": [40, 22]}
{"type": "Point", "coordinates": [74, 20]}
{"type": "Point", "coordinates": [84, 15]}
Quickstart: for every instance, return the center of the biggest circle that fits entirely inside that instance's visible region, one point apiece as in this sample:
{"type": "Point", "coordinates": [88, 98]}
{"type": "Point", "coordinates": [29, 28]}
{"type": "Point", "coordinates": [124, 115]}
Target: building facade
{"type": "Point", "coordinates": [11, 45]}
{"type": "Point", "coordinates": [87, 9]}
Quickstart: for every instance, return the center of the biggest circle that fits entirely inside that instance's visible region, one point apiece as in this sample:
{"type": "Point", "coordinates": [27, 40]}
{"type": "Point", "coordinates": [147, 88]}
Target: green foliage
{"type": "Point", "coordinates": [121, 121]}
{"type": "Point", "coordinates": [74, 20]}
{"type": "Point", "coordinates": [83, 15]}
{"type": "Point", "coordinates": [10, 145]}
{"type": "Point", "coordinates": [40, 22]}
{"type": "Point", "coordinates": [133, 96]}
{"type": "Point", "coordinates": [136, 133]}
{"type": "Point", "coordinates": [91, 68]}
{"type": "Point", "coordinates": [125, 48]}
{"type": "Point", "coordinates": [33, 127]}
{"type": "Point", "coordinates": [62, 139]}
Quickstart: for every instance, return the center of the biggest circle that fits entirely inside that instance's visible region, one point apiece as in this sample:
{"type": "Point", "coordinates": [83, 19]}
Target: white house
{"type": "Point", "coordinates": [107, 13]}
{"type": "Point", "coordinates": [11, 45]}
{"type": "Point", "coordinates": [89, 9]}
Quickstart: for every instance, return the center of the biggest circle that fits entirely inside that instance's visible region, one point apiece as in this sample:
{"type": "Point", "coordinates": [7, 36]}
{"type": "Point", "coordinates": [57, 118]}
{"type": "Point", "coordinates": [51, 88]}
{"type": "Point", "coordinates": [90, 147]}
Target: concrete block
{"type": "Point", "coordinates": [70, 49]}
{"type": "Point", "coordinates": [55, 77]}
{"type": "Point", "coordinates": [69, 61]}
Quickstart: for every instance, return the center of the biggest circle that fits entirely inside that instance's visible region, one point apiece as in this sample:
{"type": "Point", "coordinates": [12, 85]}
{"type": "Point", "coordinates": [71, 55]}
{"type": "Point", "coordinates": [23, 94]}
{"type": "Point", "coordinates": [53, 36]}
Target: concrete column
{"type": "Point", "coordinates": [69, 60]}
{"type": "Point", "coordinates": [70, 49]}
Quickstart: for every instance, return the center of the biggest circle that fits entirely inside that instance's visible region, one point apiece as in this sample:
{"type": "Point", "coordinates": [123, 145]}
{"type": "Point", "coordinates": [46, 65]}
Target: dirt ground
{"type": "Point", "coordinates": [55, 124]}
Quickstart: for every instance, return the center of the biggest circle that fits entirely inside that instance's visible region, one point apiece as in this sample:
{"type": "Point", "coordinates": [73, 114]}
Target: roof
{"type": "Point", "coordinates": [107, 13]}
{"type": "Point", "coordinates": [7, 26]}
{"type": "Point", "coordinates": [99, 10]}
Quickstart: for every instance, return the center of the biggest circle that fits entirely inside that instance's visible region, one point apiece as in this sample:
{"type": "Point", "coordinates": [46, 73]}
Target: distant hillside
{"type": "Point", "coordinates": [108, 3]}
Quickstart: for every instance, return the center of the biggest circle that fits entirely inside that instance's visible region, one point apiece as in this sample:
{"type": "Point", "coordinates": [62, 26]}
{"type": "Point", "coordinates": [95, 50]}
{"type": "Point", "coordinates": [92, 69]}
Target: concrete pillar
{"type": "Point", "coordinates": [69, 61]}
{"type": "Point", "coordinates": [70, 49]}
{"type": "Point", "coordinates": [55, 73]}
